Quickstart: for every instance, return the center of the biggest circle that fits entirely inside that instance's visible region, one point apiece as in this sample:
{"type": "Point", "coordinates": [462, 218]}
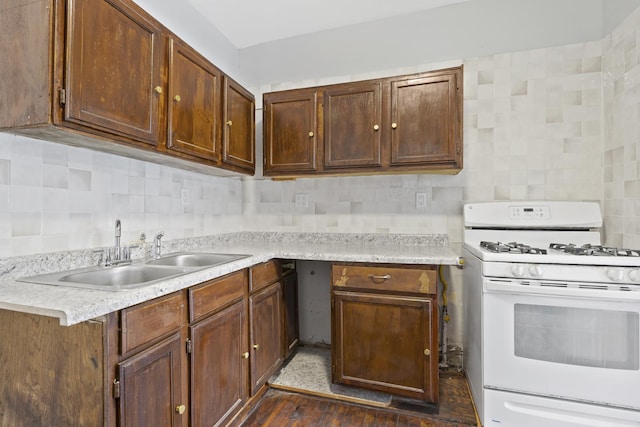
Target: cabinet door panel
{"type": "Point", "coordinates": [266, 334]}
{"type": "Point", "coordinates": [151, 386]}
{"type": "Point", "coordinates": [386, 343]}
{"type": "Point", "coordinates": [290, 129]}
{"type": "Point", "coordinates": [194, 103]}
{"type": "Point", "coordinates": [291, 323]}
{"type": "Point", "coordinates": [114, 60]}
{"type": "Point", "coordinates": [425, 120]}
{"type": "Point", "coordinates": [218, 368]}
{"type": "Point", "coordinates": [239, 126]}
{"type": "Point", "coordinates": [352, 125]}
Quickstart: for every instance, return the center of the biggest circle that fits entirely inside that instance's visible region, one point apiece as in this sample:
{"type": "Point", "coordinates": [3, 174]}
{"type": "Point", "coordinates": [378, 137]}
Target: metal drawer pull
{"type": "Point", "coordinates": [379, 279]}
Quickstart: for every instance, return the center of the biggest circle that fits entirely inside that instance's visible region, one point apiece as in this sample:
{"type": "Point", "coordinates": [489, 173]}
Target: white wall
{"type": "Point", "coordinates": [463, 30]}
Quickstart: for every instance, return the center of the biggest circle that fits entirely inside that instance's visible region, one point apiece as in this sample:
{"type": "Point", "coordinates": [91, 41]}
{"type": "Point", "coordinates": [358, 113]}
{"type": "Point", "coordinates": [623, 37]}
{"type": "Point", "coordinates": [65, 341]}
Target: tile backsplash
{"type": "Point", "coordinates": [55, 197]}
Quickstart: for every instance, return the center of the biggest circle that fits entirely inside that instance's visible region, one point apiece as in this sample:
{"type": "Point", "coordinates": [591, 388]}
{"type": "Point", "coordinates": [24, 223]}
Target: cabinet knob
{"type": "Point", "coordinates": [180, 409]}
{"type": "Point", "coordinates": [177, 98]}
{"type": "Point", "coordinates": [245, 355]}
{"type": "Point", "coordinates": [376, 127]}
{"type": "Point", "coordinates": [394, 125]}
{"type": "Point", "coordinates": [229, 123]}
{"type": "Point", "coordinates": [157, 89]}
{"type": "Point", "coordinates": [256, 346]}
{"type": "Point", "coordinates": [427, 352]}
{"type": "Point", "coordinates": [311, 134]}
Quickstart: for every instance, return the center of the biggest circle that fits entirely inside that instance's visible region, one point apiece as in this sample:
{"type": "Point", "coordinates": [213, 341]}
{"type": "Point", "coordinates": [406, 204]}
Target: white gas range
{"type": "Point", "coordinates": [552, 318]}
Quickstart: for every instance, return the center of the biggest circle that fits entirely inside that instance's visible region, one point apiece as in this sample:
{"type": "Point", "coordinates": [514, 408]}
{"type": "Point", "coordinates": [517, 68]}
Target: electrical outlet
{"type": "Point", "coordinates": [421, 200]}
{"type": "Point", "coordinates": [301, 201]}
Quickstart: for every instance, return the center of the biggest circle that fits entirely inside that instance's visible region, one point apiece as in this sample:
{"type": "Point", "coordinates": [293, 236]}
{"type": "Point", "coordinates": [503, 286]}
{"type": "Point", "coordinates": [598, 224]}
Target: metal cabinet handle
{"type": "Point", "coordinates": [394, 125]}
{"type": "Point", "coordinates": [256, 346]}
{"type": "Point", "coordinates": [177, 98]}
{"type": "Point", "coordinates": [180, 409]}
{"type": "Point", "coordinates": [311, 134]}
{"type": "Point", "coordinates": [379, 279]}
{"type": "Point", "coordinates": [376, 127]}
{"type": "Point", "coordinates": [427, 352]}
{"type": "Point", "coordinates": [245, 355]}
{"type": "Point", "coordinates": [157, 89]}
{"type": "Point", "coordinates": [229, 123]}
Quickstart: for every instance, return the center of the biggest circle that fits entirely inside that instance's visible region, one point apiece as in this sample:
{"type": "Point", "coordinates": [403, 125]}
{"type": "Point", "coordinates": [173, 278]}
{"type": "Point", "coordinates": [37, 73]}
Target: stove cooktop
{"type": "Point", "coordinates": [567, 248]}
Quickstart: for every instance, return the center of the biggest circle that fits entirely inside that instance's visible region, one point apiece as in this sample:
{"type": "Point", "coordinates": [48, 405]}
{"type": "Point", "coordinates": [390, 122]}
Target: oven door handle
{"type": "Point", "coordinates": [537, 288]}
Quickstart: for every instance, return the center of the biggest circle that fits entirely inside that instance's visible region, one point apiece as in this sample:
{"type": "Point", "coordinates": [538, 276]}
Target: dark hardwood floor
{"type": "Point", "coordinates": [285, 408]}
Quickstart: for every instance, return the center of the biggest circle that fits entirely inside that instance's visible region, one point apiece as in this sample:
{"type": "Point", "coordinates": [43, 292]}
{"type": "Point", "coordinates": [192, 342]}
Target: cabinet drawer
{"type": "Point", "coordinates": [264, 274]}
{"type": "Point", "coordinates": [213, 295]}
{"type": "Point", "coordinates": [144, 323]}
{"type": "Point", "coordinates": [380, 277]}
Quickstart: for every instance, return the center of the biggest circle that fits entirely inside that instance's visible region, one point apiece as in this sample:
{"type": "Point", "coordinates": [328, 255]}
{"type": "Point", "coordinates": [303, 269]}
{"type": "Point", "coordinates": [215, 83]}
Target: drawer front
{"type": "Point", "coordinates": [265, 274]}
{"type": "Point", "coordinates": [380, 277]}
{"type": "Point", "coordinates": [213, 295]}
{"type": "Point", "coordinates": [151, 320]}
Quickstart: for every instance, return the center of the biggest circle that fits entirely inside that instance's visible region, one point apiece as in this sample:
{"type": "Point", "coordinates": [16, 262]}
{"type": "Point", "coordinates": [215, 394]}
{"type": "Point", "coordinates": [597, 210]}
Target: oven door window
{"type": "Point", "coordinates": [577, 336]}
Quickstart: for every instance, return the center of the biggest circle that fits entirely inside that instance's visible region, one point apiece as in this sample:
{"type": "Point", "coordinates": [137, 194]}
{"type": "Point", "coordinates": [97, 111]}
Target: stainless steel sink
{"type": "Point", "coordinates": [121, 277]}
{"type": "Point", "coordinates": [195, 259]}
{"type": "Point", "coordinates": [130, 276]}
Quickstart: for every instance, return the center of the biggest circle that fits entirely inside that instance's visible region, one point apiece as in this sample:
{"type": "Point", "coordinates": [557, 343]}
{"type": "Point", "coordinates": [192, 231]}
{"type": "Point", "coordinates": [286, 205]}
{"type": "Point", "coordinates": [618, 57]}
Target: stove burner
{"type": "Point", "coordinates": [595, 250]}
{"type": "Point", "coordinates": [512, 247]}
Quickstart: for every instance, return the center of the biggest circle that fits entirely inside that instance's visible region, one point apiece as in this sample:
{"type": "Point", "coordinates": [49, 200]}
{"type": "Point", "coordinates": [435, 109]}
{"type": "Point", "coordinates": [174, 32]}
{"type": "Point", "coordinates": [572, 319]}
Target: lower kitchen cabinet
{"type": "Point", "coordinates": [190, 358]}
{"type": "Point", "coordinates": [150, 392]}
{"type": "Point", "coordinates": [384, 329]}
{"type": "Point", "coordinates": [265, 311]}
{"type": "Point", "coordinates": [219, 349]}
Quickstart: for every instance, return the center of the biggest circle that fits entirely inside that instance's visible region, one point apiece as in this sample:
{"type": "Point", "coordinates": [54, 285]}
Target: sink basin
{"type": "Point", "coordinates": [195, 259]}
{"type": "Point", "coordinates": [114, 278]}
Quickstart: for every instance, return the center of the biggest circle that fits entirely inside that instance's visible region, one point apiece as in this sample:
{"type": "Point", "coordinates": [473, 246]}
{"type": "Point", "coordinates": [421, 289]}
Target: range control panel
{"type": "Point", "coordinates": [529, 212]}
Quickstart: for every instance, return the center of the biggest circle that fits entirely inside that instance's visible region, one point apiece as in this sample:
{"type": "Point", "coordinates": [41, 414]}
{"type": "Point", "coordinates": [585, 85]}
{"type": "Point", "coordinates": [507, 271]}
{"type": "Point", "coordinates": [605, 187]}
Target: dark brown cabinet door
{"type": "Point", "coordinates": [290, 298]}
{"type": "Point", "coordinates": [113, 69]}
{"type": "Point", "coordinates": [193, 103]}
{"type": "Point", "coordinates": [266, 334]}
{"type": "Point", "coordinates": [290, 131]}
{"type": "Point", "coordinates": [150, 384]}
{"type": "Point", "coordinates": [219, 367]}
{"type": "Point", "coordinates": [352, 125]}
{"type": "Point", "coordinates": [426, 120]}
{"type": "Point", "coordinates": [238, 137]}
{"type": "Point", "coordinates": [386, 343]}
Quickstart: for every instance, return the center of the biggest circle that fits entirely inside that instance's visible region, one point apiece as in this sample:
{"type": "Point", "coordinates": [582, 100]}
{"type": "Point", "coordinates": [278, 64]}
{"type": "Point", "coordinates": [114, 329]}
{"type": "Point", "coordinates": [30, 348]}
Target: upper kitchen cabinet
{"type": "Point", "coordinates": [403, 124]}
{"type": "Point", "coordinates": [194, 103]}
{"type": "Point", "coordinates": [290, 132]}
{"type": "Point", "coordinates": [238, 135]}
{"type": "Point", "coordinates": [112, 70]}
{"type": "Point", "coordinates": [426, 120]}
{"type": "Point", "coordinates": [352, 120]}
{"type": "Point", "coordinates": [106, 75]}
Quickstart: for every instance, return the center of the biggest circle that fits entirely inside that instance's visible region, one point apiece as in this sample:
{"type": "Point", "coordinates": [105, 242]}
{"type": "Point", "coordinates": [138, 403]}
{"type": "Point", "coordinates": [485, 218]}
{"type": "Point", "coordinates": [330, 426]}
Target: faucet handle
{"type": "Point", "coordinates": [157, 244]}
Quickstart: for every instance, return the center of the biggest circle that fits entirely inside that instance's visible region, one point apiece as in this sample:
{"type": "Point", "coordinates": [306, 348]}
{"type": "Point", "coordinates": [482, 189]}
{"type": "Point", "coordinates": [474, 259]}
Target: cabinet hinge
{"type": "Point", "coordinates": [62, 96]}
{"type": "Point", "coordinates": [116, 388]}
{"type": "Point", "coordinates": [189, 347]}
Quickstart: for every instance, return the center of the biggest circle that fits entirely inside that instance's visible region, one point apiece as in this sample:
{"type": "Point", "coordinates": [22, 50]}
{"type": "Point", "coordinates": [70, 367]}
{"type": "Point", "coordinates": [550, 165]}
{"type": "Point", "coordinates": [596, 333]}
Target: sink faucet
{"type": "Point", "coordinates": [157, 244]}
{"type": "Point", "coordinates": [117, 239]}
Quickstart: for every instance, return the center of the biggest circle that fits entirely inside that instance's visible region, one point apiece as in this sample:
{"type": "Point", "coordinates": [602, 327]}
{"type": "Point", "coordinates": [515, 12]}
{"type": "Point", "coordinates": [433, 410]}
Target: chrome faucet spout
{"type": "Point", "coordinates": [117, 238]}
{"type": "Point", "coordinates": [157, 245]}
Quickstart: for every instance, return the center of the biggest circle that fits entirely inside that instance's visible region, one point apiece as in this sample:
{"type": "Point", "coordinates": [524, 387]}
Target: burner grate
{"type": "Point", "coordinates": [512, 247]}
{"type": "Point", "coordinates": [595, 250]}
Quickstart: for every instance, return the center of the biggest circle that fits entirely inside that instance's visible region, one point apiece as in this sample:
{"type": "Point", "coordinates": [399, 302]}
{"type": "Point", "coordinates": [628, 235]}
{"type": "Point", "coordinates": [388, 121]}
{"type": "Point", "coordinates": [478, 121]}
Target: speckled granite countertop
{"type": "Point", "coordinates": [75, 305]}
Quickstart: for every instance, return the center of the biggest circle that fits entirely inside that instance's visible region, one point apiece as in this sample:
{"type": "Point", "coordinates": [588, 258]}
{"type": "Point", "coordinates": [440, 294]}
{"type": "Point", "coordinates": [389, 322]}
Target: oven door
{"type": "Point", "coordinates": [576, 344]}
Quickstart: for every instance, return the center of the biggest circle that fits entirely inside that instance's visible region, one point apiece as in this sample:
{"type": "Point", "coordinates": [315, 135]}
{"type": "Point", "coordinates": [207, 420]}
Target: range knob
{"type": "Point", "coordinates": [517, 270]}
{"type": "Point", "coordinates": [535, 271]}
{"type": "Point", "coordinates": [615, 275]}
{"type": "Point", "coordinates": [634, 276]}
